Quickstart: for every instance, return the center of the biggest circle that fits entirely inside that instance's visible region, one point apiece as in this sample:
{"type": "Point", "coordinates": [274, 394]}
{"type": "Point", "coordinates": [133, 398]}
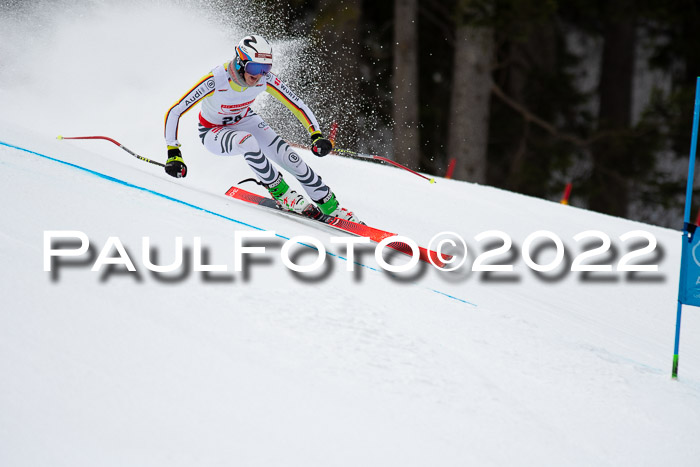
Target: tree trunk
{"type": "Point", "coordinates": [535, 55]}
{"type": "Point", "coordinates": [467, 141]}
{"type": "Point", "coordinates": [610, 192]}
{"type": "Point", "coordinates": [405, 83]}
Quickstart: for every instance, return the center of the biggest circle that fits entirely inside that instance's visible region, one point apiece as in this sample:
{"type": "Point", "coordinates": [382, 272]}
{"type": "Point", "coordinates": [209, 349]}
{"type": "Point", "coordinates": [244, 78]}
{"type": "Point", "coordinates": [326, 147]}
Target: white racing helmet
{"type": "Point", "coordinates": [253, 55]}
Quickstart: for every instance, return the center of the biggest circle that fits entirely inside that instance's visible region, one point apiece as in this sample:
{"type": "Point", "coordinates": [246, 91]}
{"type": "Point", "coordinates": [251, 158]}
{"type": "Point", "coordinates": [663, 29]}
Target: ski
{"type": "Point", "coordinates": [354, 228]}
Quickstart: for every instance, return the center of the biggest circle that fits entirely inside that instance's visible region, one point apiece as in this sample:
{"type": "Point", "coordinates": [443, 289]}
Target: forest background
{"type": "Point", "coordinates": [524, 95]}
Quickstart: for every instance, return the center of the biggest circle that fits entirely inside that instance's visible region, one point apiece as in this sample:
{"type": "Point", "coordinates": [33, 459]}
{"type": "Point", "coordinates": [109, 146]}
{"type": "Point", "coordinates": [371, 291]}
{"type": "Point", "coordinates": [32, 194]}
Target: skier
{"type": "Point", "coordinates": [228, 126]}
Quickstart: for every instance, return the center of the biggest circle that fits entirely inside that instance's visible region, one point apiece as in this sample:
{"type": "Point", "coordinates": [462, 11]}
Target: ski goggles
{"type": "Point", "coordinates": [255, 69]}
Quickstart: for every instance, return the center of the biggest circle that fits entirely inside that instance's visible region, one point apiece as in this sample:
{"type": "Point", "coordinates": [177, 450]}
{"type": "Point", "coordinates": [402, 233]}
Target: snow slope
{"type": "Point", "coordinates": [267, 367]}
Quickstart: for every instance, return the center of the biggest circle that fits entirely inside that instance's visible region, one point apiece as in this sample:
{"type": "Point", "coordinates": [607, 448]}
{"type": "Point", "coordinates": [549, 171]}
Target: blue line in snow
{"type": "Point", "coordinates": [453, 297]}
{"type": "Point", "coordinates": [199, 208]}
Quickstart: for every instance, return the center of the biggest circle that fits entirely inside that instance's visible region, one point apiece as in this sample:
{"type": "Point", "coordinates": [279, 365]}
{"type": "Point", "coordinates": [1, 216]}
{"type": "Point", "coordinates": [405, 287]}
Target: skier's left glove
{"type": "Point", "coordinates": [320, 145]}
{"type": "Point", "coordinates": [175, 165]}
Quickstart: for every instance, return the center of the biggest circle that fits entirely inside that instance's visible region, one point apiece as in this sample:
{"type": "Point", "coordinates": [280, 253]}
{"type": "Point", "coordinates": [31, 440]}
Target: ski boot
{"type": "Point", "coordinates": [290, 200]}
{"type": "Point", "coordinates": [330, 206]}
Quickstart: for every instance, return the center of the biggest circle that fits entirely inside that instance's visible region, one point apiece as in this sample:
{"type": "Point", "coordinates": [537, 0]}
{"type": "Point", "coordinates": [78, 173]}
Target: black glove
{"type": "Point", "coordinates": [175, 166]}
{"type": "Point", "coordinates": [320, 145]}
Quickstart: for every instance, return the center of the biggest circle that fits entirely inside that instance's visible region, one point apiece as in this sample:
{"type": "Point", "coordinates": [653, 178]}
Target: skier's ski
{"type": "Point", "coordinates": [354, 228]}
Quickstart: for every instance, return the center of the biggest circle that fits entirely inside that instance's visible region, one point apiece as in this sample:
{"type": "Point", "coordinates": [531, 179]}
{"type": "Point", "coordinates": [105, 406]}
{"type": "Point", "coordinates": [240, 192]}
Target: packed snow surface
{"type": "Point", "coordinates": [264, 366]}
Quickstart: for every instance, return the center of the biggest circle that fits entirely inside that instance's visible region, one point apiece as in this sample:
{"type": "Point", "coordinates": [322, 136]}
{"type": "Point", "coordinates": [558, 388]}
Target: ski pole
{"type": "Point", "coordinates": [347, 152]}
{"type": "Point", "coordinates": [350, 153]}
{"type": "Point", "coordinates": [59, 137]}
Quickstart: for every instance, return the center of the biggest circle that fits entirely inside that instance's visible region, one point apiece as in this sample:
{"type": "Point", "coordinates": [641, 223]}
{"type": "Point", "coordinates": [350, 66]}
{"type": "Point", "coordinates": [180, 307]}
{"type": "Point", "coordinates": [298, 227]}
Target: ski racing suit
{"type": "Point", "coordinates": [228, 126]}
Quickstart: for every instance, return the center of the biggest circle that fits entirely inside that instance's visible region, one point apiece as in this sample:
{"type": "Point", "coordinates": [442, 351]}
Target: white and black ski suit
{"type": "Point", "coordinates": [228, 126]}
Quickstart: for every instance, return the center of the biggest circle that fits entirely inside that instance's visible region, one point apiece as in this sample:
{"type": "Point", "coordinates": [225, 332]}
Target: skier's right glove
{"type": "Point", "coordinates": [320, 145]}
{"type": "Point", "coordinates": [175, 165]}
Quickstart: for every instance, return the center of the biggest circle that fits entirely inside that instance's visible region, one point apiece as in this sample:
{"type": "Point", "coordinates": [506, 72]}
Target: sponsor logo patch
{"type": "Point", "coordinates": [231, 108]}
{"type": "Point", "coordinates": [193, 98]}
